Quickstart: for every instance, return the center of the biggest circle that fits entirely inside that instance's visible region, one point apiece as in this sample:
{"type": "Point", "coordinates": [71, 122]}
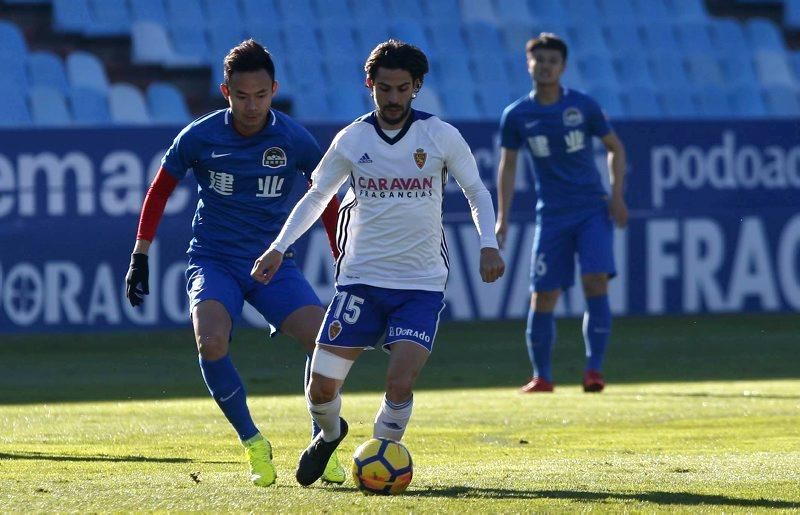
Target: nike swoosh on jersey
{"type": "Point", "coordinates": [214, 155]}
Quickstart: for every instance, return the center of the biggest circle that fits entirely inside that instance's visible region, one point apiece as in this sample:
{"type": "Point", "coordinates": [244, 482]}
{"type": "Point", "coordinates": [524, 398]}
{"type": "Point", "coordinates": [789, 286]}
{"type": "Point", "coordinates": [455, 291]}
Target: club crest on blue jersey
{"type": "Point", "coordinates": [420, 156]}
{"type": "Point", "coordinates": [572, 117]}
{"type": "Point", "coordinates": [334, 329]}
{"type": "Point", "coordinates": [274, 157]}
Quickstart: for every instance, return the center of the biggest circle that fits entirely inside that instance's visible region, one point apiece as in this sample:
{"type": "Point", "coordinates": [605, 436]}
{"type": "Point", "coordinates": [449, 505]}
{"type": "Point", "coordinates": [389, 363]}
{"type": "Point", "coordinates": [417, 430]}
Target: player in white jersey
{"type": "Point", "coordinates": [392, 270]}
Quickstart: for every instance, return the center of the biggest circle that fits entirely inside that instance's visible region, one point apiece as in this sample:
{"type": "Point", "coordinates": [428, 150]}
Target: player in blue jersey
{"type": "Point", "coordinates": [252, 164]}
{"type": "Point", "coordinates": [574, 212]}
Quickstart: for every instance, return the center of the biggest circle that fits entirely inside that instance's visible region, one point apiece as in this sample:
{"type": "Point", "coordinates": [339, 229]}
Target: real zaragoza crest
{"type": "Point", "coordinates": [334, 329]}
{"type": "Point", "coordinates": [419, 157]}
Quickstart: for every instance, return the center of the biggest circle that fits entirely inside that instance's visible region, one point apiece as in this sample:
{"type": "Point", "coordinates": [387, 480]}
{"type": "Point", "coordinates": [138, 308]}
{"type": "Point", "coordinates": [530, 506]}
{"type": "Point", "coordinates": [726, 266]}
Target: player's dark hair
{"type": "Point", "coordinates": [248, 56]}
{"type": "Point", "coordinates": [549, 41]}
{"type": "Point", "coordinates": [397, 55]}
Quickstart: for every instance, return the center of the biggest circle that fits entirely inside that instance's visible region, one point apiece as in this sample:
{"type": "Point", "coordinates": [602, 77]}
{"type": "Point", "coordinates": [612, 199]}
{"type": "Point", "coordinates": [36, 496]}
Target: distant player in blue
{"type": "Point", "coordinates": [574, 213]}
{"type": "Point", "coordinates": [252, 164]}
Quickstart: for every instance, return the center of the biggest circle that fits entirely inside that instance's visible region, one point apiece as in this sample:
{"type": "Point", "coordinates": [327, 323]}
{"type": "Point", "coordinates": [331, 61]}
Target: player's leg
{"type": "Point", "coordinates": [552, 269]}
{"type": "Point", "coordinates": [411, 329]}
{"type": "Point", "coordinates": [214, 298]}
{"type": "Point", "coordinates": [595, 251]}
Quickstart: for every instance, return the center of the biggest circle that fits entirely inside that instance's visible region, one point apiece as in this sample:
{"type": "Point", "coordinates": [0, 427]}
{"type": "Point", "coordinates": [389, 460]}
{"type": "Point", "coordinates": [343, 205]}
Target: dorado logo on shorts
{"type": "Point", "coordinates": [334, 329]}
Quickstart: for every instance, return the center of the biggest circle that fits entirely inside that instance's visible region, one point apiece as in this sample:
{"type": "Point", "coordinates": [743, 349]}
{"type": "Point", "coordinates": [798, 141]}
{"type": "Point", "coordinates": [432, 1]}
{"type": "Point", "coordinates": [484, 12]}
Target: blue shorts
{"type": "Point", "coordinates": [588, 233]}
{"type": "Point", "coordinates": [228, 281]}
{"type": "Point", "coordinates": [360, 315]}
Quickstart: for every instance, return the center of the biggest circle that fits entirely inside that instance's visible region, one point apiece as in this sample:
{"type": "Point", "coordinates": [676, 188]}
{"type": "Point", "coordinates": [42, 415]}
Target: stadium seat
{"type": "Point", "coordinates": [483, 39]}
{"type": "Point", "coordinates": [494, 99]}
{"type": "Point", "coordinates": [633, 70]}
{"type": "Point", "coordinates": [190, 46]}
{"type": "Point", "coordinates": [89, 107]}
{"type": "Point", "coordinates": [519, 80]}
{"type": "Point", "coordinates": [14, 109]}
{"type": "Point", "coordinates": [332, 12]}
{"type": "Point", "coordinates": [794, 64]}
{"type": "Point", "coordinates": [738, 70]}
{"type": "Point", "coordinates": [148, 10]}
{"type": "Point", "coordinates": [338, 38]}
{"type": "Point", "coordinates": [85, 70]}
{"type": "Point", "coordinates": [366, 12]}
{"type": "Point", "coordinates": [71, 16]}
{"type": "Point", "coordinates": [609, 99]}
{"type": "Point", "coordinates": [764, 35]}
{"type": "Point", "coordinates": [166, 104]}
{"type": "Point", "coordinates": [623, 39]}
{"type": "Point", "coordinates": [109, 18]}
{"type": "Point", "coordinates": [712, 102]}
{"type": "Point", "coordinates": [704, 69]}
{"type": "Point", "coordinates": [480, 11]}
{"type": "Point", "coordinates": [650, 11]}
{"type": "Point", "coordinates": [791, 14]}
{"type": "Point", "coordinates": [308, 106]}
{"type": "Point", "coordinates": [668, 70]}
{"type": "Point", "coordinates": [447, 38]}
{"type": "Point", "coordinates": [369, 35]}
{"type": "Point", "coordinates": [412, 32]}
{"type": "Point", "coordinates": [296, 11]}
{"type": "Point", "coordinates": [47, 69]}
{"type": "Point", "coordinates": [127, 105]}
{"type": "Point", "coordinates": [547, 11]}
{"type": "Point", "coordinates": [461, 103]}
{"type": "Point", "coordinates": [586, 39]}
{"type": "Point", "coordinates": [694, 38]}
{"type": "Point", "coordinates": [409, 11]}
{"type": "Point", "coordinates": [781, 101]}
{"type": "Point", "coordinates": [773, 68]}
{"type": "Point", "coordinates": [517, 34]}
{"type": "Point", "coordinates": [14, 76]}
{"type": "Point", "coordinates": [186, 13]}
{"type": "Point", "coordinates": [261, 12]}
{"type": "Point", "coordinates": [641, 102]}
{"type": "Point", "coordinates": [687, 11]}
{"type": "Point", "coordinates": [227, 17]}
{"type": "Point", "coordinates": [49, 107]}
{"type": "Point", "coordinates": [746, 101]}
{"type": "Point", "coordinates": [346, 104]}
{"type": "Point", "coordinates": [617, 11]}
{"type": "Point", "coordinates": [659, 39]}
{"type": "Point", "coordinates": [453, 71]}
{"type": "Point", "coordinates": [301, 40]}
{"type": "Point", "coordinates": [513, 11]}
{"type": "Point", "coordinates": [678, 102]}
{"type": "Point", "coordinates": [12, 42]}
{"type": "Point", "coordinates": [728, 38]}
{"type": "Point", "coordinates": [150, 44]}
{"type": "Point", "coordinates": [581, 12]}
{"type": "Point", "coordinates": [269, 35]}
{"type": "Point", "coordinates": [597, 70]}
{"type": "Point", "coordinates": [221, 39]}
{"type": "Point", "coordinates": [429, 101]}
{"type": "Point", "coordinates": [572, 77]}
{"type": "Point", "coordinates": [441, 10]}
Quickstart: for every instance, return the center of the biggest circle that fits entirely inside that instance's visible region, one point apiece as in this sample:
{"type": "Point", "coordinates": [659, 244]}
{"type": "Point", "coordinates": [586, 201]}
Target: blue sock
{"type": "Point", "coordinates": [226, 387]}
{"type": "Point", "coordinates": [596, 330]}
{"type": "Point", "coordinates": [541, 334]}
{"type": "Point", "coordinates": [307, 379]}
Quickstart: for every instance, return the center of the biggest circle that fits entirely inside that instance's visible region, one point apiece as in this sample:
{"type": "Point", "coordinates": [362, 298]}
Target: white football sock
{"type": "Point", "coordinates": [327, 417]}
{"type": "Point", "coordinates": [392, 419]}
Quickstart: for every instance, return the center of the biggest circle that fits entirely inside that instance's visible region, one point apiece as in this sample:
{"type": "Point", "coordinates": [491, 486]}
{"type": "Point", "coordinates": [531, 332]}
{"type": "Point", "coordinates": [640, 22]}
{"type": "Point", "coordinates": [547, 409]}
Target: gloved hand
{"type": "Point", "coordinates": [137, 279]}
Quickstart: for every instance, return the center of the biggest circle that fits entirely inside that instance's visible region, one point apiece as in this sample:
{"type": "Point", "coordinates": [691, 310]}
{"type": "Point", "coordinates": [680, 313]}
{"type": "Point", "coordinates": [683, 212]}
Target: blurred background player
{"type": "Point", "coordinates": [574, 213]}
{"type": "Point", "coordinates": [252, 164]}
{"type": "Point", "coordinates": [391, 274]}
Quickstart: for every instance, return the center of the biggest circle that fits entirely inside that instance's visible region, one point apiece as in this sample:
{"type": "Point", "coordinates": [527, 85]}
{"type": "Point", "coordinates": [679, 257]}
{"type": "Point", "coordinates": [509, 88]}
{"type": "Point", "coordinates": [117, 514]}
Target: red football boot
{"type": "Point", "coordinates": [537, 384]}
{"type": "Point", "coordinates": [593, 381]}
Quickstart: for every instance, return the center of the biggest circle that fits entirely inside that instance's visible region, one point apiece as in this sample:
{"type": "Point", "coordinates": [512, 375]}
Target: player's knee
{"type": "Point", "coordinates": [322, 390]}
{"type": "Point", "coordinates": [595, 284]}
{"type": "Point", "coordinates": [400, 386]}
{"type": "Point", "coordinates": [212, 346]}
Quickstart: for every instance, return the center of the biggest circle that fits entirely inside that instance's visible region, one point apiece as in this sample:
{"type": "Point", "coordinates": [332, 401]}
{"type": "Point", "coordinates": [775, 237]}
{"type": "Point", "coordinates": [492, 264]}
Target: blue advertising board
{"type": "Point", "coordinates": [715, 227]}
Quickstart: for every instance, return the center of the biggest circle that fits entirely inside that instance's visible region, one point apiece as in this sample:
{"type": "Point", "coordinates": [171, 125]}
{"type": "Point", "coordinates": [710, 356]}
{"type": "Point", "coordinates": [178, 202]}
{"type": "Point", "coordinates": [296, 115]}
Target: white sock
{"type": "Point", "coordinates": [392, 419]}
{"type": "Point", "coordinates": [327, 417]}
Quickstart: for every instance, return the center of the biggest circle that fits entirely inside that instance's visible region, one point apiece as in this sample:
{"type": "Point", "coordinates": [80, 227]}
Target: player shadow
{"type": "Point", "coordinates": [654, 497]}
{"type": "Point", "coordinates": [30, 455]}
{"type": "Point", "coordinates": [745, 395]}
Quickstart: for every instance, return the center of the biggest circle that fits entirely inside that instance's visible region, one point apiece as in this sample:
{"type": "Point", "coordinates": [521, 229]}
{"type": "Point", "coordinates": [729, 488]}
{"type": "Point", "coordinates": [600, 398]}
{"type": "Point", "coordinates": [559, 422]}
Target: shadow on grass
{"type": "Point", "coordinates": [654, 497]}
{"type": "Point", "coordinates": [162, 365]}
{"type": "Point", "coordinates": [32, 455]}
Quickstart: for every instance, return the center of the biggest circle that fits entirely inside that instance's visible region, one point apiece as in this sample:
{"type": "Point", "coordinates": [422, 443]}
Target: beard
{"type": "Point", "coordinates": [394, 120]}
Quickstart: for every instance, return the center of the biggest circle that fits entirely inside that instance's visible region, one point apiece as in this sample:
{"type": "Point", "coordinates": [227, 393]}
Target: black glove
{"type": "Point", "coordinates": [137, 279]}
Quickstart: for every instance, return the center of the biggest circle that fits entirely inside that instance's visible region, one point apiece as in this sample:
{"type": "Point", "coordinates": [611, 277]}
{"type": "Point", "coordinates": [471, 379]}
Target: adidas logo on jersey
{"type": "Point", "coordinates": [364, 159]}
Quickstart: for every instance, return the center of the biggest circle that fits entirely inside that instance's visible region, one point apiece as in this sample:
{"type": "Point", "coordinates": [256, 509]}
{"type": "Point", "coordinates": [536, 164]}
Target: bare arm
{"type": "Point", "coordinates": [506, 174]}
{"type": "Point", "coordinates": [617, 209]}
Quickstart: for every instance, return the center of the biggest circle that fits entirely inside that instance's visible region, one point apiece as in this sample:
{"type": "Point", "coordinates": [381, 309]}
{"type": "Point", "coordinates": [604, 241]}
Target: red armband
{"type": "Point", "coordinates": [329, 218]}
{"type": "Point", "coordinates": [154, 203]}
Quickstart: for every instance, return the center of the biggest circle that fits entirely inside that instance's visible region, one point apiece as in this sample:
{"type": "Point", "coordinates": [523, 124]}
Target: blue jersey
{"type": "Point", "coordinates": [559, 137]}
{"type": "Point", "coordinates": [247, 185]}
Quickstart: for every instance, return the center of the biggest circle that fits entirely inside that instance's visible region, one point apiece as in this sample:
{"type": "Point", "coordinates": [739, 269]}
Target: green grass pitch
{"type": "Point", "coordinates": [701, 414]}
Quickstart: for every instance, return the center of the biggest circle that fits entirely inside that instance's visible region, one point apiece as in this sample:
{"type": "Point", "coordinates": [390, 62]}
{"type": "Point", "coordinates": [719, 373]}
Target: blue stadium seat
{"type": "Point", "coordinates": [12, 42]}
{"type": "Point", "coordinates": [109, 18]}
{"type": "Point", "coordinates": [668, 70]}
{"type": "Point", "coordinates": [773, 68]}
{"type": "Point", "coordinates": [587, 39]}
{"type": "Point", "coordinates": [479, 11]}
{"type": "Point", "coordinates": [14, 76]}
{"type": "Point", "coordinates": [85, 70]}
{"type": "Point", "coordinates": [368, 36]}
{"type": "Point", "coordinates": [47, 69]}
{"type": "Point", "coordinates": [366, 12]}
{"type": "Point", "coordinates": [261, 13]}
{"type": "Point", "coordinates": [794, 64]}
{"type": "Point", "coordinates": [411, 32]}
{"type": "Point", "coordinates": [346, 104]}
{"type": "Point", "coordinates": [609, 99]}
{"type": "Point", "coordinates": [345, 71]}
{"type": "Point", "coordinates": [71, 16]}
{"type": "Point", "coordinates": [617, 11]}
{"type": "Point", "coordinates": [447, 38]}
{"type": "Point", "coordinates": [300, 39]}
{"type": "Point", "coordinates": [487, 72]}
{"type": "Point", "coordinates": [221, 39]}
{"type": "Point", "coordinates": [781, 101]}
{"type": "Point", "coordinates": [678, 102]}
{"type": "Point", "coordinates": [791, 14]}
{"type": "Point", "coordinates": [712, 102]}
{"type": "Point", "coordinates": [14, 109]}
{"type": "Point", "coordinates": [513, 11]}
{"type": "Point", "coordinates": [296, 11]}
{"type": "Point", "coordinates": [337, 38]}
{"type": "Point", "coordinates": [222, 17]}
{"type": "Point", "coordinates": [547, 11]}
{"type": "Point", "coordinates": [597, 70]}
{"type": "Point", "coordinates": [728, 38]}
{"type": "Point", "coordinates": [461, 103]}
{"type": "Point", "coordinates": [581, 12]}
{"type": "Point", "coordinates": [764, 35]}
{"type": "Point", "coordinates": [516, 35]}
{"type": "Point", "coordinates": [187, 13]}
{"type": "Point", "coordinates": [428, 100]}
{"type": "Point", "coordinates": [406, 10]}
{"type": "Point", "coordinates": [704, 69]}
{"type": "Point", "coordinates": [441, 10]}
{"type": "Point", "coordinates": [269, 35]}
{"type": "Point", "coordinates": [453, 71]}
{"type": "Point", "coordinates": [746, 101]}
{"type": "Point", "coordinates": [89, 107]}
{"type": "Point", "coordinates": [572, 77]}
{"type": "Point", "coordinates": [687, 11]}
{"type": "Point", "coordinates": [738, 70]}
{"type": "Point", "coordinates": [493, 100]}
{"type": "Point", "coordinates": [641, 102]}
{"type": "Point", "coordinates": [332, 12]}
{"type": "Point", "coordinates": [190, 45]}
{"type": "Point", "coordinates": [650, 11]}
{"type": "Point", "coordinates": [150, 44]}
{"type": "Point", "coordinates": [311, 106]}
{"type": "Point", "coordinates": [519, 80]}
{"type": "Point", "coordinates": [166, 104]}
{"type": "Point", "coordinates": [694, 38]}
{"type": "Point", "coordinates": [49, 107]}
{"type": "Point", "coordinates": [148, 10]}
{"type": "Point", "coordinates": [623, 39]}
{"type": "Point", "coordinates": [634, 70]}
{"type": "Point", "coordinates": [127, 105]}
{"type": "Point", "coordinates": [659, 39]}
{"type": "Point", "coordinates": [483, 39]}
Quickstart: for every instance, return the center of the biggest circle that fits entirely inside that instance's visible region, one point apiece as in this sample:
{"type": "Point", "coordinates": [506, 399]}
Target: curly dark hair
{"type": "Point", "coordinates": [397, 55]}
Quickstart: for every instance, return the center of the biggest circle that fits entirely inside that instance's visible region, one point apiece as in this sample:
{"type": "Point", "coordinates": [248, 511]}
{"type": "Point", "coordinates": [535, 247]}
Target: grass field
{"type": "Point", "coordinates": [701, 414]}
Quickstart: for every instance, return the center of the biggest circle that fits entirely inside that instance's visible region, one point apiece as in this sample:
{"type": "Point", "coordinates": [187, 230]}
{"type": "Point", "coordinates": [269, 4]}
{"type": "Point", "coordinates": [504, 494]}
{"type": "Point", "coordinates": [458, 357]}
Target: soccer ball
{"type": "Point", "coordinates": [382, 466]}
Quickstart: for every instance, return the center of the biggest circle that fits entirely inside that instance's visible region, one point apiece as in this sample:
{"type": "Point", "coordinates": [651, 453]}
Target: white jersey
{"type": "Point", "coordinates": [390, 231]}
